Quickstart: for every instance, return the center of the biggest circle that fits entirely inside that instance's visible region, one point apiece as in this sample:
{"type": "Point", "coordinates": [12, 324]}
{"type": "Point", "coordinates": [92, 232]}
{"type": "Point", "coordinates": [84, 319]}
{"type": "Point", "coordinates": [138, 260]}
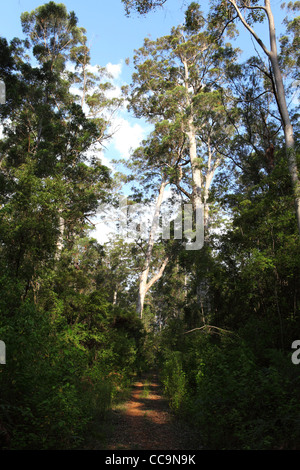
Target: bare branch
{"type": "Point", "coordinates": [183, 191]}
{"type": "Point", "coordinates": [248, 27]}
{"type": "Point", "coordinates": [209, 327]}
{"type": "Point", "coordinates": [158, 275]}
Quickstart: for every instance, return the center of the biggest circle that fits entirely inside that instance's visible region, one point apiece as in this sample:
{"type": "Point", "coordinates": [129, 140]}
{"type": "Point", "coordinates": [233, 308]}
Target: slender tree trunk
{"type": "Point", "coordinates": [196, 170]}
{"type": "Point", "coordinates": [142, 292]}
{"type": "Point", "coordinates": [272, 54]}
{"type": "Point", "coordinates": [283, 109]}
{"type": "Point", "coordinates": [211, 170]}
{"type": "Point", "coordinates": [60, 240]}
{"type": "Point", "coordinates": [144, 285]}
{"type": "Point", "coordinates": [191, 133]}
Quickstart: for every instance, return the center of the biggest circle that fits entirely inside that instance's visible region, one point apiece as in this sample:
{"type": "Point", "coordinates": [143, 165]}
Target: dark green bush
{"type": "Point", "coordinates": [233, 400]}
{"type": "Point", "coordinates": [174, 380]}
{"type": "Point", "coordinates": [59, 377]}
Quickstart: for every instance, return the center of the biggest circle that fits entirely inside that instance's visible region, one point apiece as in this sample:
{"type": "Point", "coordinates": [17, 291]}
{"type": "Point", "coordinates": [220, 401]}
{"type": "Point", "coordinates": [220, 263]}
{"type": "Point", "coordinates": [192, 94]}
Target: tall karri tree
{"type": "Point", "coordinates": [223, 14]}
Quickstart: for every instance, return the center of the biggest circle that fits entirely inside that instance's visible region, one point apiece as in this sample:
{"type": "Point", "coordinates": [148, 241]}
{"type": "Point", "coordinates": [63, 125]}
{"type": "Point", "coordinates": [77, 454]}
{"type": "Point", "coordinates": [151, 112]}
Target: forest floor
{"type": "Point", "coordinates": [145, 422]}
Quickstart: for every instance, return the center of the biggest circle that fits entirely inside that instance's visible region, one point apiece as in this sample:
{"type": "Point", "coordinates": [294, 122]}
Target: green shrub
{"type": "Point", "coordinates": [174, 380]}
{"type": "Point", "coordinates": [238, 404]}
{"type": "Point", "coordinates": [60, 377]}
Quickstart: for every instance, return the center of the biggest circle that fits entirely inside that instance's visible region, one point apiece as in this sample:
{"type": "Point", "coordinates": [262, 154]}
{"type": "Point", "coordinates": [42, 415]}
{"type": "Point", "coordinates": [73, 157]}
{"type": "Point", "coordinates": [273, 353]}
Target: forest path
{"type": "Point", "coordinates": [147, 423]}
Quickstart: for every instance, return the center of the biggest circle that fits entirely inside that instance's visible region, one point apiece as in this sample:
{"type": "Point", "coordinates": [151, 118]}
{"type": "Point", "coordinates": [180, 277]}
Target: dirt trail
{"type": "Point", "coordinates": [146, 422]}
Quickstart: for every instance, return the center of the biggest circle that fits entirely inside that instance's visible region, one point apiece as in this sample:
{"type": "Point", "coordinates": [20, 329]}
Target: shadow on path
{"type": "Point", "coordinates": [146, 422]}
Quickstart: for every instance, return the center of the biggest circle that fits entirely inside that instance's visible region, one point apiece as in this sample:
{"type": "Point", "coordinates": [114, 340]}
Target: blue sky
{"type": "Point", "coordinates": [113, 36]}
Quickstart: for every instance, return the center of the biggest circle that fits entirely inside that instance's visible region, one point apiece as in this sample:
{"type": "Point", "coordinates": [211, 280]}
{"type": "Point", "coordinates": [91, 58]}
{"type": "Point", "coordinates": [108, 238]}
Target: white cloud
{"type": "Point", "coordinates": [106, 162]}
{"type": "Point", "coordinates": [127, 136]}
{"type": "Point", "coordinates": [93, 69]}
{"type": "Point", "coordinates": [102, 230]}
{"type": "Point", "coordinates": [115, 92]}
{"type": "Point", "coordinates": [114, 69]}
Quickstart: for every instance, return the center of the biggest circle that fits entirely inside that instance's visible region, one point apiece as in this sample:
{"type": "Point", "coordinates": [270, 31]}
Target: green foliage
{"type": "Point", "coordinates": [52, 31]}
{"type": "Point", "coordinates": [234, 401]}
{"type": "Point", "coordinates": [174, 380]}
{"type": "Point", "coordinates": [240, 386]}
{"type": "Point", "coordinates": [69, 350]}
{"type": "Point", "coordinates": [251, 404]}
{"type": "Point", "coordinates": [60, 376]}
{"type": "Point", "coordinates": [193, 17]}
{"type": "Point", "coordinates": [39, 382]}
{"type": "Point", "coordinates": [141, 6]}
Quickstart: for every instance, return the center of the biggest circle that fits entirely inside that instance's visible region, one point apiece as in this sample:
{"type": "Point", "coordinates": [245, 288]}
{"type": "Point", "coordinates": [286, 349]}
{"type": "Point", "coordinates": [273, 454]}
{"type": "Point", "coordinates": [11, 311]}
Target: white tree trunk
{"type": "Point", "coordinates": [283, 109]}
{"type": "Point", "coordinates": [144, 285]}
{"type": "Point", "coordinates": [60, 240]}
{"type": "Point", "coordinates": [196, 169]}
{"type": "Point", "coordinates": [272, 54]}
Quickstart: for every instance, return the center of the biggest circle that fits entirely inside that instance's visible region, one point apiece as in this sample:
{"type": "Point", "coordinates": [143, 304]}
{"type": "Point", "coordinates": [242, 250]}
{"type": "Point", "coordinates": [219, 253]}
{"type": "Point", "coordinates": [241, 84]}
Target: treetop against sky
{"type": "Point", "coordinates": [113, 37]}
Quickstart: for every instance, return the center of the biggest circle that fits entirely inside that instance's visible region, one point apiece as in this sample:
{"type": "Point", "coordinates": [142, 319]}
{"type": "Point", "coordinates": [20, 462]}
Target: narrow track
{"type": "Point", "coordinates": [146, 422]}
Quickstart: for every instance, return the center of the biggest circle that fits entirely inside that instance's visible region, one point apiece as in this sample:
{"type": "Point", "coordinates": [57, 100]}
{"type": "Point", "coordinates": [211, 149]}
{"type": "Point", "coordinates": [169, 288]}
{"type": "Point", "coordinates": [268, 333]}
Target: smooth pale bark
{"type": "Point", "coordinates": [287, 125]}
{"type": "Point", "coordinates": [60, 241]}
{"type": "Point", "coordinates": [272, 54]}
{"type": "Point", "coordinates": [196, 170]}
{"type": "Point", "coordinates": [211, 170]}
{"type": "Point", "coordinates": [191, 133]}
{"type": "Point", "coordinates": [144, 284]}
{"type": "Point", "coordinates": [200, 186]}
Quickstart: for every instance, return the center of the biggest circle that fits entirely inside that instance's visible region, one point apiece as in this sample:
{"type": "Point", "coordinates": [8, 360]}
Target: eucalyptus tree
{"type": "Point", "coordinates": [249, 13]}
{"type": "Point", "coordinates": [141, 6]}
{"type": "Point", "coordinates": [58, 44]}
{"type": "Point", "coordinates": [154, 166]}
{"type": "Point", "coordinates": [223, 15]}
{"type": "Point", "coordinates": [52, 184]}
{"type": "Point", "coordinates": [176, 87]}
{"type": "Point", "coordinates": [178, 78]}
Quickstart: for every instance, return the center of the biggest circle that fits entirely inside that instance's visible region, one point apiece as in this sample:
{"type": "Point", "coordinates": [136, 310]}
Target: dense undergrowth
{"type": "Point", "coordinates": [59, 378]}
{"type": "Point", "coordinates": [55, 384]}
{"type": "Point", "coordinates": [235, 397]}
